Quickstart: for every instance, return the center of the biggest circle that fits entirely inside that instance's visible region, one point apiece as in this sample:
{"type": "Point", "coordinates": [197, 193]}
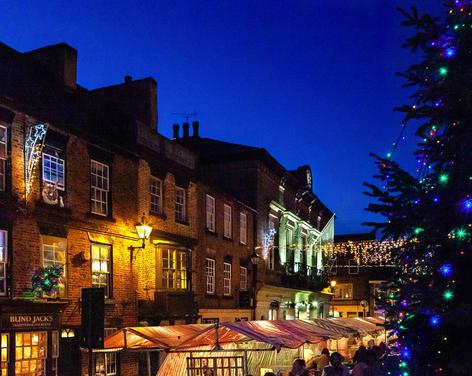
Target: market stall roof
{"type": "Point", "coordinates": [278, 333]}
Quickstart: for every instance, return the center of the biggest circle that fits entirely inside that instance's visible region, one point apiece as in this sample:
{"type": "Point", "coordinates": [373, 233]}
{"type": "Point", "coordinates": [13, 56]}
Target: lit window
{"type": "Point", "coordinates": [105, 363]}
{"type": "Point", "coordinates": [242, 278]}
{"type": "Point", "coordinates": [174, 269]}
{"type": "Point", "coordinates": [3, 261]}
{"type": "Point", "coordinates": [210, 276]}
{"type": "Point", "coordinates": [227, 279]}
{"type": "Point", "coordinates": [54, 253]}
{"type": "Point", "coordinates": [4, 353]}
{"type": "Point", "coordinates": [53, 171]}
{"type": "Point", "coordinates": [210, 213]}
{"type": "Point", "coordinates": [100, 186]}
{"type": "Point", "coordinates": [156, 195]}
{"type": "Point", "coordinates": [101, 267]}
{"type": "Point", "coordinates": [30, 353]}
{"type": "Point", "coordinates": [3, 157]}
{"type": "Point", "coordinates": [180, 205]}
{"type": "Point", "coordinates": [343, 291]}
{"type": "Point", "coordinates": [228, 221]}
{"type": "Point", "coordinates": [243, 228]}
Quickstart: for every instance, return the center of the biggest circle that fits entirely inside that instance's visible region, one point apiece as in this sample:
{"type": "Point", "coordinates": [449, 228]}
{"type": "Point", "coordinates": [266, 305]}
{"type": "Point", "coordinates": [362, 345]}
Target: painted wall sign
{"type": "Point", "coordinates": [25, 320]}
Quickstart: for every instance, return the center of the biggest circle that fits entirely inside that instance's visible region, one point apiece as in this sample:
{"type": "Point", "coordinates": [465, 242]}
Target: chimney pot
{"type": "Point", "coordinates": [175, 128]}
{"type": "Point", "coordinates": [128, 79]}
{"type": "Point", "coordinates": [195, 126]}
{"type": "Point", "coordinates": [186, 128]}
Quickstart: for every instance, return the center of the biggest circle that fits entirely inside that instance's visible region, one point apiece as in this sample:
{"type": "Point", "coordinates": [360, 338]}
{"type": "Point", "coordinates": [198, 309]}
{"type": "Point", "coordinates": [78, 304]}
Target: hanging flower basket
{"type": "Point", "coordinates": [46, 280]}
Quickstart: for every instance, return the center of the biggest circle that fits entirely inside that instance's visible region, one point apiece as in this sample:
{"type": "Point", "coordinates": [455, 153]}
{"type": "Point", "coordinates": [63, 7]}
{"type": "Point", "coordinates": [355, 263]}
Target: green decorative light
{"type": "Point", "coordinates": [461, 233]}
{"type": "Point", "coordinates": [448, 295]}
{"type": "Point", "coordinates": [443, 71]}
{"type": "Point", "coordinates": [402, 364]}
{"type": "Point", "coordinates": [402, 327]}
{"type": "Point", "coordinates": [389, 155]}
{"type": "Point", "coordinates": [456, 27]}
{"type": "Point", "coordinates": [418, 230]}
{"type": "Point", "coordinates": [443, 178]}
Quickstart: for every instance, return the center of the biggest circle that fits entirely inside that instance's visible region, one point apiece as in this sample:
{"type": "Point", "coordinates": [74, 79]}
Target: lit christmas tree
{"type": "Point", "coordinates": [430, 306]}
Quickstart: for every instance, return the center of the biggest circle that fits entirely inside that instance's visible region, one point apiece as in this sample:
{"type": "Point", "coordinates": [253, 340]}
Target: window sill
{"type": "Point", "coordinates": [210, 232]}
{"type": "Point", "coordinates": [185, 222]}
{"type": "Point", "coordinates": [110, 301]}
{"type": "Point", "coordinates": [244, 244]}
{"type": "Point", "coordinates": [227, 238]}
{"type": "Point", "coordinates": [158, 215]}
{"type": "Point", "coordinates": [102, 217]}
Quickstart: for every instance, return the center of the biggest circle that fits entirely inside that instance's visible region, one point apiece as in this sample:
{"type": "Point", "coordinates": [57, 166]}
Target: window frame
{"type": "Point", "coordinates": [45, 241]}
{"type": "Point", "coordinates": [179, 276]}
{"type": "Point", "coordinates": [154, 195]}
{"type": "Point", "coordinates": [4, 349]}
{"type": "Point", "coordinates": [109, 285]}
{"type": "Point", "coordinates": [227, 221]}
{"type": "Point", "coordinates": [227, 279]}
{"type": "Point", "coordinates": [58, 161]}
{"type": "Point", "coordinates": [210, 278]}
{"type": "Point", "coordinates": [183, 216]}
{"type": "Point", "coordinates": [4, 256]}
{"type": "Point", "coordinates": [94, 201]}
{"type": "Point", "coordinates": [210, 218]}
{"type": "Point", "coordinates": [353, 267]}
{"type": "Point", "coordinates": [243, 229]}
{"type": "Point", "coordinates": [106, 357]}
{"type": "Point", "coordinates": [3, 160]}
{"type": "Point", "coordinates": [243, 282]}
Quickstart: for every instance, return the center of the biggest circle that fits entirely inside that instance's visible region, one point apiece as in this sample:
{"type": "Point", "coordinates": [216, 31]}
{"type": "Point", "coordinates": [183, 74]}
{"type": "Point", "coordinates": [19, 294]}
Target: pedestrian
{"type": "Point", "coordinates": [362, 360]}
{"type": "Point", "coordinates": [269, 374]}
{"type": "Point", "coordinates": [323, 360]}
{"type": "Point", "coordinates": [299, 368]}
{"type": "Point", "coordinates": [336, 368]}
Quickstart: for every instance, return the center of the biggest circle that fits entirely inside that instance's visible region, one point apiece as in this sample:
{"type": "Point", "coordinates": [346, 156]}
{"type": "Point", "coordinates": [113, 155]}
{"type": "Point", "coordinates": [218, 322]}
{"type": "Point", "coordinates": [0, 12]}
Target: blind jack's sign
{"type": "Point", "coordinates": [29, 321]}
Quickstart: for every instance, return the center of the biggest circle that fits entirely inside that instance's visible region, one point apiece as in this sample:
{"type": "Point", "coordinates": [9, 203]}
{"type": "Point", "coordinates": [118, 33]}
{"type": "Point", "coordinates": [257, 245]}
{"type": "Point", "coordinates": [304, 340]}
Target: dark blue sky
{"type": "Point", "coordinates": [312, 81]}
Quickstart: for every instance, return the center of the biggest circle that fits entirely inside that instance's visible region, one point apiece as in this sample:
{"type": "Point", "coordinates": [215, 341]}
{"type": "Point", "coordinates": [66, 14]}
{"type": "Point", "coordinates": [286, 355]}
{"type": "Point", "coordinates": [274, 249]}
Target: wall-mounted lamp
{"type": "Point", "coordinates": [144, 232]}
{"type": "Point", "coordinates": [255, 258]}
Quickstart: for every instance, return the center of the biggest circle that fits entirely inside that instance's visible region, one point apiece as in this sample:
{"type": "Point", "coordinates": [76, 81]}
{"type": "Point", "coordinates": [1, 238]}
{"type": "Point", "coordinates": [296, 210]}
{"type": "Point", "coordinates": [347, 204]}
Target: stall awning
{"type": "Point", "coordinates": [278, 333]}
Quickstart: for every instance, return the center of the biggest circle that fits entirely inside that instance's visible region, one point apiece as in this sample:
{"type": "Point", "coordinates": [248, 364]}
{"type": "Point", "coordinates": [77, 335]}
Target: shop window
{"type": "Point", "coordinates": [210, 213]}
{"type": "Point", "coordinates": [156, 195]}
{"type": "Point", "coordinates": [228, 221]}
{"type": "Point", "coordinates": [55, 253]}
{"type": "Point", "coordinates": [30, 353]}
{"type": "Point", "coordinates": [210, 275]}
{"type": "Point", "coordinates": [4, 353]}
{"type": "Point", "coordinates": [180, 205]}
{"type": "Point", "coordinates": [106, 363]}
{"type": "Point", "coordinates": [99, 188]}
{"type": "Point", "coordinates": [227, 279]}
{"type": "Point", "coordinates": [343, 291]}
{"type": "Point", "coordinates": [3, 261]}
{"type": "Point", "coordinates": [101, 267]}
{"type": "Point", "coordinates": [3, 157]}
{"type": "Point", "coordinates": [174, 269]}
{"type": "Point", "coordinates": [242, 228]}
{"type": "Point", "coordinates": [242, 278]}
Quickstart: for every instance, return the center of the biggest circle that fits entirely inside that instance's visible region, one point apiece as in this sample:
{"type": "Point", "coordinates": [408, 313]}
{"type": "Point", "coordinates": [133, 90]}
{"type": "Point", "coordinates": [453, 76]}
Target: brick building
{"type": "Point", "coordinates": [291, 225]}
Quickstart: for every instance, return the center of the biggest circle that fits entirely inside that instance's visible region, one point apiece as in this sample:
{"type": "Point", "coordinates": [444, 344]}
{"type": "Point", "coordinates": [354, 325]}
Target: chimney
{"type": "Point", "coordinates": [175, 128]}
{"type": "Point", "coordinates": [61, 60]}
{"type": "Point", "coordinates": [195, 126]}
{"type": "Point", "coordinates": [128, 79]}
{"type": "Point", "coordinates": [186, 128]}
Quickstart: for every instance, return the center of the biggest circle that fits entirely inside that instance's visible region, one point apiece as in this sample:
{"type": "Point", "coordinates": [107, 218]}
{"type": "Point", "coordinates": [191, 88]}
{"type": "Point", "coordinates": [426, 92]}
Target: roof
{"type": "Point", "coordinates": [363, 236]}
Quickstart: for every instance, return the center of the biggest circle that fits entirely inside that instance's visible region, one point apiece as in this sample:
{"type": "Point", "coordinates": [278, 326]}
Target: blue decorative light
{"type": "Point", "coordinates": [468, 204]}
{"type": "Point", "coordinates": [435, 199]}
{"type": "Point", "coordinates": [450, 52]}
{"type": "Point", "coordinates": [446, 270]}
{"type": "Point", "coordinates": [406, 354]}
{"type": "Point", "coordinates": [434, 321]}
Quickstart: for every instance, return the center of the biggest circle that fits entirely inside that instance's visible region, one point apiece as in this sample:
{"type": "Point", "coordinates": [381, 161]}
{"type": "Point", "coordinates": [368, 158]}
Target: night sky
{"type": "Point", "coordinates": [312, 81]}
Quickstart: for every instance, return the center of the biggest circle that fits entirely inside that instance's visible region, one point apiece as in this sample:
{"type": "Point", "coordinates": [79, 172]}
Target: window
{"type": "Point", "coordinates": [243, 228]}
{"type": "Point", "coordinates": [105, 363]}
{"type": "Point", "coordinates": [343, 291]}
{"type": "Point", "coordinates": [210, 213]}
{"type": "Point", "coordinates": [281, 194]}
{"type": "Point", "coordinates": [242, 278]}
{"type": "Point", "coordinates": [99, 186]}
{"type": "Point", "coordinates": [4, 353]}
{"type": "Point", "coordinates": [30, 353]}
{"type": "Point", "coordinates": [353, 267]}
{"type": "Point", "coordinates": [228, 221]}
{"type": "Point", "coordinates": [210, 275]}
{"type": "Point", "coordinates": [101, 267]}
{"type": "Point", "coordinates": [227, 279]}
{"type": "Point", "coordinates": [271, 235]}
{"type": "Point", "coordinates": [156, 195]}
{"type": "Point", "coordinates": [3, 157]}
{"type": "Point", "coordinates": [54, 350]}
{"type": "Point", "coordinates": [54, 253]}
{"type": "Point", "coordinates": [174, 269]}
{"type": "Point", "coordinates": [3, 261]}
{"type": "Point", "coordinates": [180, 205]}
{"type": "Point", "coordinates": [210, 320]}
{"type": "Point", "coordinates": [53, 171]}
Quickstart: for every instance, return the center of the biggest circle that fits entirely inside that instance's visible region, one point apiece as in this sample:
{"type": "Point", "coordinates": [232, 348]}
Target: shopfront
{"type": "Point", "coordinates": [29, 340]}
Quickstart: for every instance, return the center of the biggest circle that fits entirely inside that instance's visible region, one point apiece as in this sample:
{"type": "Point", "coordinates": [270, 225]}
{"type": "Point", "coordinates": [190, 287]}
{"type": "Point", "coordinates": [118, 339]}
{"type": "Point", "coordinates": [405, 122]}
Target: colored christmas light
{"type": "Point", "coordinates": [434, 321]}
{"type": "Point", "coordinates": [443, 71]}
{"type": "Point", "coordinates": [448, 295]}
{"type": "Point", "coordinates": [418, 230]}
{"type": "Point", "coordinates": [450, 52]}
{"type": "Point", "coordinates": [443, 178]}
{"type": "Point", "coordinates": [446, 270]}
{"type": "Point", "coordinates": [461, 233]}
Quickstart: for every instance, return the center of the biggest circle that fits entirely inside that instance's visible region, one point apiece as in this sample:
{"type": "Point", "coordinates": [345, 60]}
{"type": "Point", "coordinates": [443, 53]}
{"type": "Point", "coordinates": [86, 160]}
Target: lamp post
{"type": "Point", "coordinates": [144, 232]}
{"type": "Point", "coordinates": [333, 285]}
{"type": "Point", "coordinates": [255, 259]}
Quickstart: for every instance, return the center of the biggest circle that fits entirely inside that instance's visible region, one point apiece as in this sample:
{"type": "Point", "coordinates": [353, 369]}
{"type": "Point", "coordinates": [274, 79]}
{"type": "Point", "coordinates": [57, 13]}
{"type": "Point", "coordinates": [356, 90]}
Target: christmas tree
{"type": "Point", "coordinates": [429, 309]}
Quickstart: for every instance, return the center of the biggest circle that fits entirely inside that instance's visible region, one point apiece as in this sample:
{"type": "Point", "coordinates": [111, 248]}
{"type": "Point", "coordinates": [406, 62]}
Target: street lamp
{"type": "Point", "coordinates": [255, 259]}
{"type": "Point", "coordinates": [144, 232]}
